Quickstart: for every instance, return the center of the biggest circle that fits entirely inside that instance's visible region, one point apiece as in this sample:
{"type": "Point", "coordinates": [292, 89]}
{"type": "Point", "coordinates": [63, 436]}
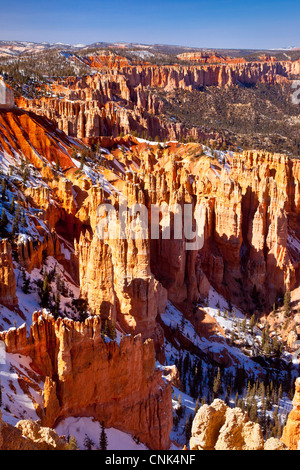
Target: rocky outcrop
{"type": "Point", "coordinates": [35, 138]}
{"type": "Point", "coordinates": [291, 432]}
{"type": "Point", "coordinates": [206, 425]}
{"type": "Point", "coordinates": [209, 58]}
{"type": "Point", "coordinates": [7, 276]}
{"type": "Point", "coordinates": [274, 444]}
{"type": "Point", "coordinates": [121, 385]}
{"type": "Point", "coordinates": [218, 427]}
{"type": "Point", "coordinates": [43, 438]}
{"type": "Point", "coordinates": [29, 435]}
{"type": "Point", "coordinates": [238, 433]}
{"type": "Point", "coordinates": [31, 253]}
{"type": "Point", "coordinates": [105, 59]}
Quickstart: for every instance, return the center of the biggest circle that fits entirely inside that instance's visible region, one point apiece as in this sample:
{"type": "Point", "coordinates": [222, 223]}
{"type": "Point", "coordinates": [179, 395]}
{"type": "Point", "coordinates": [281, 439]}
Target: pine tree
{"type": "Point", "coordinates": [103, 438]}
{"type": "Point", "coordinates": [197, 407]}
{"type": "Point", "coordinates": [287, 303]}
{"type": "Point", "coordinates": [15, 227]}
{"type": "Point", "coordinates": [57, 164]}
{"type": "Point", "coordinates": [88, 443]}
{"type": "Point", "coordinates": [252, 322]}
{"type": "Point", "coordinates": [188, 428]}
{"type": "Point", "coordinates": [26, 283]}
{"type": "Point", "coordinates": [186, 364]}
{"type": "Point", "coordinates": [244, 325]}
{"type": "Point", "coordinates": [112, 333]}
{"type": "Point", "coordinates": [217, 386]}
{"type": "Point", "coordinates": [12, 206]}
{"type": "Point", "coordinates": [23, 220]}
{"type": "Point", "coordinates": [179, 408]}
{"type": "Point", "coordinates": [56, 307]}
{"type": "Point", "coordinates": [45, 291]}
{"type": "Point", "coordinates": [26, 173]}
{"type": "Point", "coordinates": [3, 224]}
{"type": "Point", "coordinates": [3, 189]}
{"type": "Point", "coordinates": [72, 444]}
{"type": "Point", "coordinates": [18, 213]}
{"type": "Point", "coordinates": [253, 414]}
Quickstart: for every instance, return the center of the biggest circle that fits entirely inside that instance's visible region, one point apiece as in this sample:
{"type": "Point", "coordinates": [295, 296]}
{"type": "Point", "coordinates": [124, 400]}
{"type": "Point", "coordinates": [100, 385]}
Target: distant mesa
{"type": "Point", "coordinates": [209, 58]}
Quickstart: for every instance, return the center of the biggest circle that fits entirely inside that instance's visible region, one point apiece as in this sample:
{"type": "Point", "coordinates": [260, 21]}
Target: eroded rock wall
{"type": "Point", "coordinates": [86, 376]}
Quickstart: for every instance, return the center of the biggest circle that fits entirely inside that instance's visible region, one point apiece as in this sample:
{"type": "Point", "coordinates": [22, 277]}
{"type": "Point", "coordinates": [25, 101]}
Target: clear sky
{"type": "Point", "coordinates": [211, 23]}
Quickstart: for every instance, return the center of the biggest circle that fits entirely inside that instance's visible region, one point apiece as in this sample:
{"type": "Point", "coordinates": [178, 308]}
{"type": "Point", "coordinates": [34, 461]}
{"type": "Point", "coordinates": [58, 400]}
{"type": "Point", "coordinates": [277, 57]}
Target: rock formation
{"type": "Point", "coordinates": [209, 58]}
{"type": "Point", "coordinates": [291, 432]}
{"type": "Point", "coordinates": [35, 139]}
{"type": "Point", "coordinates": [29, 435]}
{"type": "Point", "coordinates": [218, 427]}
{"type": "Point", "coordinates": [7, 276]}
{"type": "Point", "coordinates": [274, 444]}
{"type": "Point", "coordinates": [120, 100]}
{"type": "Point", "coordinates": [121, 385]}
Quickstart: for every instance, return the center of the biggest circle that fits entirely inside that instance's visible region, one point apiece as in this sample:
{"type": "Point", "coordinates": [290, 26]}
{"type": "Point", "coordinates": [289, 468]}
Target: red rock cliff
{"type": "Point", "coordinates": [85, 376]}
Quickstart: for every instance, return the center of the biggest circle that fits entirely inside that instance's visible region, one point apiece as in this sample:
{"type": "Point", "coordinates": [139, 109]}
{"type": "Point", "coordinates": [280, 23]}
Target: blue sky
{"type": "Point", "coordinates": [216, 24]}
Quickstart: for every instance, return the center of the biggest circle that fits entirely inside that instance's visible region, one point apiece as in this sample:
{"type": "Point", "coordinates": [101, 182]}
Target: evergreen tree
{"type": "Point", "coordinates": [88, 443]}
{"type": "Point", "coordinates": [217, 386]}
{"type": "Point", "coordinates": [72, 444]}
{"type": "Point", "coordinates": [12, 206]}
{"type": "Point", "coordinates": [253, 414]}
{"type": "Point", "coordinates": [26, 282]}
{"type": "Point", "coordinates": [188, 428]}
{"type": "Point", "coordinates": [57, 164]}
{"type": "Point", "coordinates": [244, 325]}
{"type": "Point", "coordinates": [56, 307]}
{"type": "Point", "coordinates": [15, 227]}
{"type": "Point", "coordinates": [3, 189]}
{"type": "Point", "coordinates": [18, 213]}
{"type": "Point", "coordinates": [112, 333]}
{"type": "Point", "coordinates": [23, 220]}
{"type": "Point", "coordinates": [252, 322]}
{"type": "Point", "coordinates": [26, 173]}
{"type": "Point", "coordinates": [103, 438]}
{"type": "Point", "coordinates": [186, 364]}
{"type": "Point", "coordinates": [3, 224]}
{"type": "Point", "coordinates": [45, 291]}
{"type": "Point", "coordinates": [197, 407]}
{"type": "Point", "coordinates": [179, 408]}
{"type": "Point", "coordinates": [287, 303]}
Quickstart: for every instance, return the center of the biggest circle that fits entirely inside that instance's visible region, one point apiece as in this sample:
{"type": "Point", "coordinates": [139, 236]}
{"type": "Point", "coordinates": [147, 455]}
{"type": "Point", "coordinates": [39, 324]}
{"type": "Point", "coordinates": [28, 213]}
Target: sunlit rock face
{"type": "Point", "coordinates": [121, 385]}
